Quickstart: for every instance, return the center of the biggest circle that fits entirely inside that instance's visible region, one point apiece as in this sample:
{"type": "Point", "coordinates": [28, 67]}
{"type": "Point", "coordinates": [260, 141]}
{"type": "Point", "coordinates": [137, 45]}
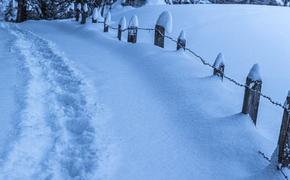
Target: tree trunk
{"type": "Point", "coordinates": [21, 13]}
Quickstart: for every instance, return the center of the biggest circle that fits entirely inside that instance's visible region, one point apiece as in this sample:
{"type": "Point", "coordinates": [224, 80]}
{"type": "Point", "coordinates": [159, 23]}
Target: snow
{"type": "Point", "coordinates": [85, 8]}
{"type": "Point", "coordinates": [97, 108]}
{"type": "Point", "coordinates": [123, 23]}
{"type": "Point", "coordinates": [165, 20]}
{"type": "Point", "coordinates": [134, 21]}
{"type": "Point", "coordinates": [108, 18]}
{"type": "Point", "coordinates": [254, 73]}
{"type": "Point", "coordinates": [79, 6]}
{"type": "Point", "coordinates": [182, 35]}
{"type": "Point", "coordinates": [96, 13]}
{"type": "Point", "coordinates": [155, 2]}
{"type": "Point", "coordinates": [219, 60]}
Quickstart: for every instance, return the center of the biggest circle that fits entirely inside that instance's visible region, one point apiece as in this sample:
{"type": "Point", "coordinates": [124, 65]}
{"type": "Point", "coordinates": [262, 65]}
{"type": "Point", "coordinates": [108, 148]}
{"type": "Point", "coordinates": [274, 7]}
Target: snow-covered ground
{"type": "Point", "coordinates": [79, 104]}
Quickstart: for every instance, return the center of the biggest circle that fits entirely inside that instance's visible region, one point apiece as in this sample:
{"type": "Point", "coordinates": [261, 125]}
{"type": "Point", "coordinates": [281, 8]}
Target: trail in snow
{"type": "Point", "coordinates": [57, 136]}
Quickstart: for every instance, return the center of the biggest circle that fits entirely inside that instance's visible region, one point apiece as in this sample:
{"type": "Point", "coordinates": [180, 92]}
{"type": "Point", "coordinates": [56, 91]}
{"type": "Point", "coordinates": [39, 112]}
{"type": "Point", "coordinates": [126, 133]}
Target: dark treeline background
{"type": "Point", "coordinates": [20, 10]}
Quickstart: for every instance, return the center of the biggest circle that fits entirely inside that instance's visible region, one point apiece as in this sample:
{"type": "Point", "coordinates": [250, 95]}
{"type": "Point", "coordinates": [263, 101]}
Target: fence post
{"type": "Point", "coordinates": [181, 41]}
{"type": "Point", "coordinates": [107, 22]}
{"type": "Point", "coordinates": [284, 138]}
{"type": "Point", "coordinates": [121, 27]}
{"type": "Point", "coordinates": [164, 23]}
{"type": "Point", "coordinates": [84, 13]}
{"type": "Point", "coordinates": [95, 15]}
{"type": "Point", "coordinates": [78, 11]}
{"type": "Point", "coordinates": [219, 66]}
{"type": "Point", "coordinates": [252, 93]}
{"type": "Point", "coordinates": [133, 29]}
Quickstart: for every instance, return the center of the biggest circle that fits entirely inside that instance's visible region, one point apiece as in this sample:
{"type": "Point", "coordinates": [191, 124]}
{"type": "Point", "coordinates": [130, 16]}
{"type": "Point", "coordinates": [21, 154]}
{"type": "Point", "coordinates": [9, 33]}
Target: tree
{"type": "Point", "coordinates": [21, 11]}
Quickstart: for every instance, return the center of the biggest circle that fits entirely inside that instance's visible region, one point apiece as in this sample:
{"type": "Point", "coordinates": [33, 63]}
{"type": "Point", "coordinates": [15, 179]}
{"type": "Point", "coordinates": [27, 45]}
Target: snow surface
{"type": "Point", "coordinates": [93, 107]}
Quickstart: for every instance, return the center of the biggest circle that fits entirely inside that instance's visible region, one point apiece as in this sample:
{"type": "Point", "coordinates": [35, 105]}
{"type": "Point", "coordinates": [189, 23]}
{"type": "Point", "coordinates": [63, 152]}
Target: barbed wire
{"type": "Point", "coordinates": [269, 160]}
{"type": "Point", "coordinates": [204, 62]}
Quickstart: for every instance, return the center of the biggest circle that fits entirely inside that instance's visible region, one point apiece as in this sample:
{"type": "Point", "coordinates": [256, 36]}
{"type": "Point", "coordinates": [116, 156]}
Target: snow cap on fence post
{"type": "Point", "coordinates": [283, 154]}
{"type": "Point", "coordinates": [163, 24]}
{"type": "Point", "coordinates": [252, 93]}
{"type": "Point", "coordinates": [121, 27]}
{"type": "Point", "coordinates": [133, 29]}
{"type": "Point", "coordinates": [84, 13]}
{"type": "Point", "coordinates": [165, 20]}
{"type": "Point", "coordinates": [95, 15]}
{"type": "Point", "coordinates": [219, 66]}
{"type": "Point", "coordinates": [107, 22]}
{"type": "Point", "coordinates": [181, 41]}
{"type": "Point", "coordinates": [254, 73]}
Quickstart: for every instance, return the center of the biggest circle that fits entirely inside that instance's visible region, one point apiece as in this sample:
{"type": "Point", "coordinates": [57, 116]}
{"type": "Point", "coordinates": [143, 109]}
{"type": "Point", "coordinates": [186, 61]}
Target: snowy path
{"type": "Point", "coordinates": [97, 108]}
{"type": "Point", "coordinates": [56, 139]}
{"type": "Point", "coordinates": [168, 119]}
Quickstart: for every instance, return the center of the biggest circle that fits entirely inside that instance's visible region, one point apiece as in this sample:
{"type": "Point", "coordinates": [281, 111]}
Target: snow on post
{"type": "Point", "coordinates": [78, 11]}
{"type": "Point", "coordinates": [219, 66]}
{"type": "Point", "coordinates": [252, 93]}
{"type": "Point", "coordinates": [84, 13]}
{"type": "Point", "coordinates": [107, 22]}
{"type": "Point", "coordinates": [85, 8]}
{"type": "Point", "coordinates": [133, 29]}
{"type": "Point", "coordinates": [124, 3]}
{"type": "Point", "coordinates": [283, 142]}
{"type": "Point", "coordinates": [95, 15]}
{"type": "Point", "coordinates": [121, 27]}
{"type": "Point", "coordinates": [163, 24]}
{"type": "Point", "coordinates": [181, 41]}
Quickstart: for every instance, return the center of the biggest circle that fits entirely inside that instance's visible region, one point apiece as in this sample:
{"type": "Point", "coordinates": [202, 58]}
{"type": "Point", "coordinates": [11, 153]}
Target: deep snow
{"type": "Point", "coordinates": [158, 113]}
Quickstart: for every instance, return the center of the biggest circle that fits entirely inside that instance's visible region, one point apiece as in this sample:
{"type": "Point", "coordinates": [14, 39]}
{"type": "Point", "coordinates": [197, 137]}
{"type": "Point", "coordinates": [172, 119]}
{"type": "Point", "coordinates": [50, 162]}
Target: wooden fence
{"type": "Point", "coordinates": [252, 86]}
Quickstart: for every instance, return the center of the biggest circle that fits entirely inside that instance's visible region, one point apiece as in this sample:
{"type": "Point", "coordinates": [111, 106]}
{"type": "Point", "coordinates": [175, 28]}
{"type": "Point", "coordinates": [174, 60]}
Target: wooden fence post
{"type": "Point", "coordinates": [107, 22]}
{"type": "Point", "coordinates": [133, 29]}
{"type": "Point", "coordinates": [181, 41]}
{"type": "Point", "coordinates": [84, 13]}
{"type": "Point", "coordinates": [252, 93]}
{"type": "Point", "coordinates": [78, 11]}
{"type": "Point", "coordinates": [284, 137]}
{"type": "Point", "coordinates": [159, 36]}
{"type": "Point", "coordinates": [164, 23]}
{"type": "Point", "coordinates": [121, 27]}
{"type": "Point", "coordinates": [219, 66]}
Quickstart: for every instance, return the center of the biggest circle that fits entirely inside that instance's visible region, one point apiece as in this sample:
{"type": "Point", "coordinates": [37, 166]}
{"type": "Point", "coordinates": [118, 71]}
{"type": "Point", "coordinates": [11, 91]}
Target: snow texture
{"type": "Point", "coordinates": [96, 108]}
{"type": "Point", "coordinates": [155, 2]}
{"type": "Point", "coordinates": [182, 35]}
{"type": "Point", "coordinates": [254, 73]}
{"type": "Point", "coordinates": [219, 60]}
{"type": "Point", "coordinates": [165, 20]}
{"type": "Point", "coordinates": [79, 6]}
{"type": "Point", "coordinates": [123, 23]}
{"type": "Point", "coordinates": [85, 7]}
{"type": "Point", "coordinates": [134, 21]}
{"type": "Point", "coordinates": [95, 14]}
{"type": "Point", "coordinates": [108, 18]}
